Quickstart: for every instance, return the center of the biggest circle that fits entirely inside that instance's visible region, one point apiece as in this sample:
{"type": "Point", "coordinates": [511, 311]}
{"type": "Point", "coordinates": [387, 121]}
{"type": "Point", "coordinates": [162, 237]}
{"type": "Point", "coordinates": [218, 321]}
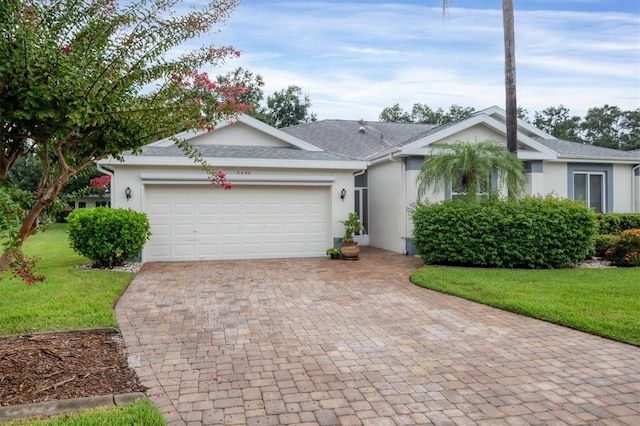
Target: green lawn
{"type": "Point", "coordinates": [605, 302]}
{"type": "Point", "coordinates": [140, 413]}
{"type": "Point", "coordinates": [68, 298]}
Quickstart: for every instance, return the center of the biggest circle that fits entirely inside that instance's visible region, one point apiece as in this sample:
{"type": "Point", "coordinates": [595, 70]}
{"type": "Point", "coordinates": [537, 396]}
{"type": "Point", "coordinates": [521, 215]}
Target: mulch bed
{"type": "Point", "coordinates": [65, 365]}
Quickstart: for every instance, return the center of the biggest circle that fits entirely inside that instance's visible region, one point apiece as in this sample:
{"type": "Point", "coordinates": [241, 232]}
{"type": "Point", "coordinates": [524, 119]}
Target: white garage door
{"type": "Point", "coordinates": [249, 222]}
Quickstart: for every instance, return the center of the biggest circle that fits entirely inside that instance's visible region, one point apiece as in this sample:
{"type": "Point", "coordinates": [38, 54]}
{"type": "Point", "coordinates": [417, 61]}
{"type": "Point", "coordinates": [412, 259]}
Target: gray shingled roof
{"type": "Point", "coordinates": [229, 151]}
{"type": "Point", "coordinates": [575, 149]}
{"type": "Point", "coordinates": [345, 138]}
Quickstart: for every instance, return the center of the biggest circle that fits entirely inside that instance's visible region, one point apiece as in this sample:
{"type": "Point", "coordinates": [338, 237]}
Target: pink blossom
{"type": "Point", "coordinates": [66, 49]}
{"type": "Point", "coordinates": [101, 181]}
{"type": "Point", "coordinates": [22, 272]}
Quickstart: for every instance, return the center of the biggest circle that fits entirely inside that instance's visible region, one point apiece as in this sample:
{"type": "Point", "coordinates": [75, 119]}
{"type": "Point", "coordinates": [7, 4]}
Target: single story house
{"type": "Point", "coordinates": [292, 186]}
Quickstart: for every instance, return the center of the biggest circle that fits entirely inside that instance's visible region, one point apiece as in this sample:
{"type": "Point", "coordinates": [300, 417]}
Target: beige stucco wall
{"type": "Point", "coordinates": [387, 209]}
{"type": "Point", "coordinates": [623, 188]}
{"type": "Point", "coordinates": [475, 134]}
{"type": "Point", "coordinates": [126, 176]}
{"type": "Point", "coordinates": [238, 134]}
{"type": "Point", "coordinates": [555, 179]}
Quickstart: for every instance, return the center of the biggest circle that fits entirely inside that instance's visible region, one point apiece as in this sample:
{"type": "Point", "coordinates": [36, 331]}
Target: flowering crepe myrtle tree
{"type": "Point", "coordinates": [81, 80]}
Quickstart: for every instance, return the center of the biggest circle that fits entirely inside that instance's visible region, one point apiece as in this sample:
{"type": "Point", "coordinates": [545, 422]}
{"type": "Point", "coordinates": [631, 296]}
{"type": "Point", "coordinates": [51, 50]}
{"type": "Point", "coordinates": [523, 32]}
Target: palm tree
{"type": "Point", "coordinates": [511, 104]}
{"type": "Point", "coordinates": [471, 166]}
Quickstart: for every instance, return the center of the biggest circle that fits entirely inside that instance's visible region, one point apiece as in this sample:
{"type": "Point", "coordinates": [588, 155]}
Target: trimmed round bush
{"type": "Point", "coordinates": [108, 237]}
{"type": "Point", "coordinates": [625, 250]}
{"type": "Point", "coordinates": [535, 232]}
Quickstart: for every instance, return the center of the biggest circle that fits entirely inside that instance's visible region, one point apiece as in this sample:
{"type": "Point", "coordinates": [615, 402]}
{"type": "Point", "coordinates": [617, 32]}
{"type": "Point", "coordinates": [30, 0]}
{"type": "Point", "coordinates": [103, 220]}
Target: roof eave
{"type": "Point", "coordinates": [272, 163]}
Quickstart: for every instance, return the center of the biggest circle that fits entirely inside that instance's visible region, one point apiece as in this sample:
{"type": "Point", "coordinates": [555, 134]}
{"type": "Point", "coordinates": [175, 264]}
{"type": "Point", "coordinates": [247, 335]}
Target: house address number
{"type": "Point", "coordinates": [243, 172]}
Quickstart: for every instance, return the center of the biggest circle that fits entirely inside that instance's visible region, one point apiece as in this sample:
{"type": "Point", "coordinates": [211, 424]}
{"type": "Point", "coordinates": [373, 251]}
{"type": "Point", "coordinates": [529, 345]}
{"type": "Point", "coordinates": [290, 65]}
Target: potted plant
{"type": "Point", "coordinates": [352, 226]}
{"type": "Point", "coordinates": [333, 252]}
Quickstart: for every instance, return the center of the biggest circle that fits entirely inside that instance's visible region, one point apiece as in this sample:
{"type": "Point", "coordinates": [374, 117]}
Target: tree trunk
{"type": "Point", "coordinates": [510, 76]}
{"type": "Point", "coordinates": [30, 223]}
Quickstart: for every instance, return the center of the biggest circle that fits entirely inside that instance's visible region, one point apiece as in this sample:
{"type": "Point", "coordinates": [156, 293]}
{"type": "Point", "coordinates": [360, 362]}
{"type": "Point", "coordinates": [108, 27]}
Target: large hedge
{"type": "Point", "coordinates": [615, 223]}
{"type": "Point", "coordinates": [108, 237]}
{"type": "Point", "coordinates": [534, 232]}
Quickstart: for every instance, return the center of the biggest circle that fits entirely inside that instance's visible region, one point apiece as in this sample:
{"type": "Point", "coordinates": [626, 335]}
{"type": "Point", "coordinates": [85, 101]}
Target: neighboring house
{"type": "Point", "coordinates": [287, 199]}
{"type": "Point", "coordinates": [91, 201]}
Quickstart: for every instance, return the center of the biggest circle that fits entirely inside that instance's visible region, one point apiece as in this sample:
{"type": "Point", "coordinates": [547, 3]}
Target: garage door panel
{"type": "Point", "coordinates": [184, 250]}
{"type": "Point", "coordinates": [157, 210]}
{"type": "Point", "coordinates": [196, 222]}
{"type": "Point", "coordinates": [207, 230]}
{"type": "Point", "coordinates": [183, 230]}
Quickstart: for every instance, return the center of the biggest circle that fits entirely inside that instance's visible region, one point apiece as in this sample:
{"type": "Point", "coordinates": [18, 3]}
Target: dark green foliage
{"type": "Point", "coordinates": [615, 223]}
{"type": "Point", "coordinates": [625, 250]}
{"type": "Point", "coordinates": [534, 232]}
{"type": "Point", "coordinates": [108, 237]}
{"type": "Point", "coordinates": [602, 243]}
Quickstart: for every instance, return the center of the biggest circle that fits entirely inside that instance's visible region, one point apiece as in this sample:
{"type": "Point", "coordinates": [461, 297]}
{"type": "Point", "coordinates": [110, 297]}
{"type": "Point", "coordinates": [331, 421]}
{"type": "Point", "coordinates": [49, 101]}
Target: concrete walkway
{"type": "Point", "coordinates": [328, 342]}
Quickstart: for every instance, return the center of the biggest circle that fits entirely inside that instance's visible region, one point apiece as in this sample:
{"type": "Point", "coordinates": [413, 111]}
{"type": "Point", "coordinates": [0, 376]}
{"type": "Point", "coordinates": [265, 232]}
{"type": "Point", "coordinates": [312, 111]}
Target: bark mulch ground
{"type": "Point", "coordinates": [65, 365]}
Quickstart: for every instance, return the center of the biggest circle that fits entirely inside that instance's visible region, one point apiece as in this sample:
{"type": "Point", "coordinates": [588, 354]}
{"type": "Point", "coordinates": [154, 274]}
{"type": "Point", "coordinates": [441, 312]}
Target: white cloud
{"type": "Point", "coordinates": [354, 59]}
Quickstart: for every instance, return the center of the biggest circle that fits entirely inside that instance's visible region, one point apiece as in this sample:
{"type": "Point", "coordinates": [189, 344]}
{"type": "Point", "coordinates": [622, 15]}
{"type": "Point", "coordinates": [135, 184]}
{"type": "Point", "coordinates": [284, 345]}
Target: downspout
{"type": "Point", "coordinates": [111, 173]}
{"type": "Point", "coordinates": [403, 166]}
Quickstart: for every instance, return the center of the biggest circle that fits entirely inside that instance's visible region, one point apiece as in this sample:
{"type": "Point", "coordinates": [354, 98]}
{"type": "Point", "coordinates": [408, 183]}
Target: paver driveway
{"type": "Point", "coordinates": [315, 341]}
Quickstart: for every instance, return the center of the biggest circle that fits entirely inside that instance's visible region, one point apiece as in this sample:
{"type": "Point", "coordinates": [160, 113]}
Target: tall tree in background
{"type": "Point", "coordinates": [611, 127]}
{"type": "Point", "coordinates": [85, 79]}
{"type": "Point", "coordinates": [253, 94]}
{"type": "Point", "coordinates": [288, 107]}
{"type": "Point", "coordinates": [558, 122]}
{"type": "Point", "coordinates": [423, 114]}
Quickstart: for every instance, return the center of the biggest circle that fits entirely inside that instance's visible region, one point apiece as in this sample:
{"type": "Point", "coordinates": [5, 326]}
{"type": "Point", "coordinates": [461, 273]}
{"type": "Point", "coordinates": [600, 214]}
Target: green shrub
{"type": "Point", "coordinates": [108, 237]}
{"type": "Point", "coordinates": [625, 250]}
{"type": "Point", "coordinates": [602, 243]}
{"type": "Point", "coordinates": [534, 232]}
{"type": "Point", "coordinates": [615, 223]}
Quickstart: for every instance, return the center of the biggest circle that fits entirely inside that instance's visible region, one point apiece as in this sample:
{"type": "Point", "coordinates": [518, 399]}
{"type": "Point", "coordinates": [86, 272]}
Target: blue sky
{"type": "Point", "coordinates": [353, 58]}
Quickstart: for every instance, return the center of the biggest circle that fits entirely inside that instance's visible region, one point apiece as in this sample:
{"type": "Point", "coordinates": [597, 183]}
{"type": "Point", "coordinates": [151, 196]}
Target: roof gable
{"type": "Point", "coordinates": [245, 131]}
{"type": "Point", "coordinates": [477, 124]}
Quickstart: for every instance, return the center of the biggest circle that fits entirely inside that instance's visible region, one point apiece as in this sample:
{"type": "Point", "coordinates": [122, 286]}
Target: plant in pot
{"type": "Point", "coordinates": [334, 252]}
{"type": "Point", "coordinates": [352, 226]}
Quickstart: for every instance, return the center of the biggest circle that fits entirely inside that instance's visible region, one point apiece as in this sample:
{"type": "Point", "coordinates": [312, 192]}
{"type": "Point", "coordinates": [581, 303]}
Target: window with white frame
{"type": "Point", "coordinates": [590, 188]}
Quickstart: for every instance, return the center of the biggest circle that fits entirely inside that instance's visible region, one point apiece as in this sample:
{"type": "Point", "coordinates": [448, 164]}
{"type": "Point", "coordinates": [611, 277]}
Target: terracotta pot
{"type": "Point", "coordinates": [350, 250]}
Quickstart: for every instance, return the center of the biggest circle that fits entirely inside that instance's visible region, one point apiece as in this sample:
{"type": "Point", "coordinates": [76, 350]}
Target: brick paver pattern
{"type": "Point", "coordinates": [334, 342]}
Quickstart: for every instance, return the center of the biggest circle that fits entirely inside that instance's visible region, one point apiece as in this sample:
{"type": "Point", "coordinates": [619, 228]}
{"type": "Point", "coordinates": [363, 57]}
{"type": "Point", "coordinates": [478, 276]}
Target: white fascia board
{"type": "Point", "coordinates": [587, 159]}
{"type": "Point", "coordinates": [267, 179]}
{"type": "Point", "coordinates": [249, 121]}
{"type": "Point", "coordinates": [414, 147]}
{"type": "Point", "coordinates": [496, 110]}
{"type": "Point", "coordinates": [135, 161]}
{"type": "Point", "coordinates": [522, 155]}
{"type": "Point", "coordinates": [376, 157]}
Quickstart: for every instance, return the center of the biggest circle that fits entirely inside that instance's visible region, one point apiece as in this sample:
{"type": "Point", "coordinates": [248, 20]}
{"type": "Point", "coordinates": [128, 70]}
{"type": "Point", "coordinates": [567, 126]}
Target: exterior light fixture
{"type": "Point", "coordinates": [343, 194]}
{"type": "Point", "coordinates": [127, 193]}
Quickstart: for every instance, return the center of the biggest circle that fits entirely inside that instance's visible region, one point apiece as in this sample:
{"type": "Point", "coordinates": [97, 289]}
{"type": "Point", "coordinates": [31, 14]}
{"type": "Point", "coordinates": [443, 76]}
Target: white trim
{"type": "Point", "coordinates": [414, 148]}
{"type": "Point", "coordinates": [133, 161]}
{"type": "Point", "coordinates": [496, 110]}
{"type": "Point", "coordinates": [203, 179]}
{"type": "Point", "coordinates": [249, 121]}
{"type": "Point", "coordinates": [586, 159]}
